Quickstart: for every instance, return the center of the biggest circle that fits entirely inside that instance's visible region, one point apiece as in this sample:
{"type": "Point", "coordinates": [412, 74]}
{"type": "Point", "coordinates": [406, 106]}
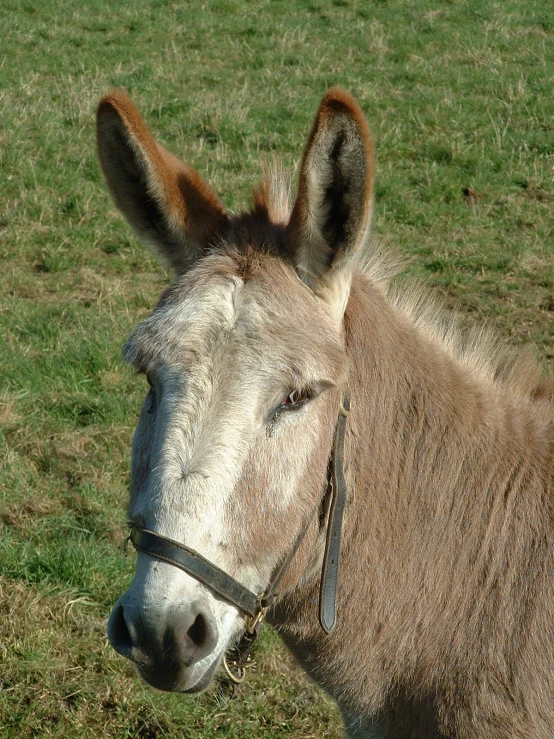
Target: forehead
{"type": "Point", "coordinates": [259, 309]}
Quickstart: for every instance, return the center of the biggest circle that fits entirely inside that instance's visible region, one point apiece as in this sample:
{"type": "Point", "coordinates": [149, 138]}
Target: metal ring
{"type": "Point", "coordinates": [253, 622]}
{"type": "Point", "coordinates": [238, 678]}
{"type": "Point", "coordinates": [345, 411]}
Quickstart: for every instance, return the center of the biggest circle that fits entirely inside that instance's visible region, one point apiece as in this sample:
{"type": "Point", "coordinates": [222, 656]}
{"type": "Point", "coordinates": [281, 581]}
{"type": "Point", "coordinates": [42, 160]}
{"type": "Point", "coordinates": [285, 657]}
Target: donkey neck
{"type": "Point", "coordinates": [448, 467]}
{"type": "Point", "coordinates": [422, 415]}
{"type": "Point", "coordinates": [437, 460]}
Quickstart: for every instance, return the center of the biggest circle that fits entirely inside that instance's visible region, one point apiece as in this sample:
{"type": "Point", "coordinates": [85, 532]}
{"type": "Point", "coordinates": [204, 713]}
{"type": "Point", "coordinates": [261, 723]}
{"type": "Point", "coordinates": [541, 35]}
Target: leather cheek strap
{"type": "Point", "coordinates": [331, 559]}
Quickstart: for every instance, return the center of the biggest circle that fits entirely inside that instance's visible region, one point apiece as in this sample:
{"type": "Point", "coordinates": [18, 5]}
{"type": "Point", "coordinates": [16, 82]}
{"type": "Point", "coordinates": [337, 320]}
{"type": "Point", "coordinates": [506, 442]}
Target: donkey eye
{"type": "Point", "coordinates": [295, 399]}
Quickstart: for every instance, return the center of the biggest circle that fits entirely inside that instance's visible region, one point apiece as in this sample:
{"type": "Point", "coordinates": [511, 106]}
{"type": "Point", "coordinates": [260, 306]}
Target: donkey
{"type": "Point", "coordinates": [440, 620]}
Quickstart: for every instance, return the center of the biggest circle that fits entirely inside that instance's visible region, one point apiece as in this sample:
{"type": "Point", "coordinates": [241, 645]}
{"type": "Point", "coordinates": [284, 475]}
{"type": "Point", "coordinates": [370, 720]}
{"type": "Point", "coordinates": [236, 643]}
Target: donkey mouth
{"type": "Point", "coordinates": [204, 681]}
{"type": "Point", "coordinates": [174, 680]}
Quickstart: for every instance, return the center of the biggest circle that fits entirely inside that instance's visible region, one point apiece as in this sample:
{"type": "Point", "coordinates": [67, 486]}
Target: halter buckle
{"type": "Point", "coordinates": [252, 622]}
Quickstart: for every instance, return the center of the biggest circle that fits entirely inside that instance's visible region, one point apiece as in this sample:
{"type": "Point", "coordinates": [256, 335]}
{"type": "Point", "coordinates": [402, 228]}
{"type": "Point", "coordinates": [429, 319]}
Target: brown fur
{"type": "Point", "coordinates": [446, 600]}
{"type": "Point", "coordinates": [447, 565]}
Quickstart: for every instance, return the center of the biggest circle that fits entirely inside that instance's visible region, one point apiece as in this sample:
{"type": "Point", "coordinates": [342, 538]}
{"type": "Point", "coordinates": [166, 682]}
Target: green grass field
{"type": "Point", "coordinates": [460, 98]}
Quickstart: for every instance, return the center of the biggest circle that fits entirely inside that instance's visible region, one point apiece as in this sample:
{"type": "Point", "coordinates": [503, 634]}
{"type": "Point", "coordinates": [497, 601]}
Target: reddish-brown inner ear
{"type": "Point", "coordinates": [203, 214]}
{"type": "Point", "coordinates": [166, 202]}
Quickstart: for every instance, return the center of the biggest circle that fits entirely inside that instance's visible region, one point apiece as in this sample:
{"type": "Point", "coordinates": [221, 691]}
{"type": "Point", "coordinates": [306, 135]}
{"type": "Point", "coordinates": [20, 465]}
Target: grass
{"type": "Point", "coordinates": [459, 95]}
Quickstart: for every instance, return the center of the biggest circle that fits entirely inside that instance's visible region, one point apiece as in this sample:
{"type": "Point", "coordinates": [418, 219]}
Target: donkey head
{"type": "Point", "coordinates": [245, 359]}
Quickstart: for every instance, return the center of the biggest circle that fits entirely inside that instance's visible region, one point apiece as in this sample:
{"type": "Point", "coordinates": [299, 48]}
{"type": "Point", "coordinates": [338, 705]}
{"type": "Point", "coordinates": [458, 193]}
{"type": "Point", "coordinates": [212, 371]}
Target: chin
{"type": "Point", "coordinates": [204, 681]}
{"type": "Point", "coordinates": [180, 682]}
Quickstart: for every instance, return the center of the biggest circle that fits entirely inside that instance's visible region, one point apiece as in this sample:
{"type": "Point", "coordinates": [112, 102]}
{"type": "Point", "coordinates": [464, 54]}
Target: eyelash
{"type": "Point", "coordinates": [295, 399]}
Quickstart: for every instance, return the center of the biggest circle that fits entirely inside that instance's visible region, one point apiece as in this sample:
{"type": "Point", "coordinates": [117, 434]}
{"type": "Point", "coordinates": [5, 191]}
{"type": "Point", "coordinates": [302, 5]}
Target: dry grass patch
{"type": "Point", "coordinates": [64, 681]}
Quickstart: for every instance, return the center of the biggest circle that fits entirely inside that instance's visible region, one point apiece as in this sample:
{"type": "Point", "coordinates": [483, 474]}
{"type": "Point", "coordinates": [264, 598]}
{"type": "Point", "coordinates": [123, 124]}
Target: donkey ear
{"type": "Point", "coordinates": [170, 207]}
{"type": "Point", "coordinates": [331, 217]}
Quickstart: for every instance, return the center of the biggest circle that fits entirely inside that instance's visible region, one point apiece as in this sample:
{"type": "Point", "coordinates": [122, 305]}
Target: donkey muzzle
{"type": "Point", "coordinates": [165, 645]}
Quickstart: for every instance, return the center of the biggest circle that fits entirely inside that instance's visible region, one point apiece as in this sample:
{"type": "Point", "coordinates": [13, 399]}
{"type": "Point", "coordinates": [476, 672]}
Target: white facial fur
{"type": "Point", "coordinates": [207, 422]}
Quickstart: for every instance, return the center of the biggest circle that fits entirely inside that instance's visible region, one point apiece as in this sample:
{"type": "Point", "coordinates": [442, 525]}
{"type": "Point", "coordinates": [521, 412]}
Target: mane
{"type": "Point", "coordinates": [478, 348]}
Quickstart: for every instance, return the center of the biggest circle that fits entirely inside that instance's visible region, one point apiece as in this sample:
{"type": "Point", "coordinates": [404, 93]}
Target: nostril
{"type": "Point", "coordinates": [118, 632]}
{"type": "Point", "coordinates": [198, 632]}
{"type": "Point", "coordinates": [192, 634]}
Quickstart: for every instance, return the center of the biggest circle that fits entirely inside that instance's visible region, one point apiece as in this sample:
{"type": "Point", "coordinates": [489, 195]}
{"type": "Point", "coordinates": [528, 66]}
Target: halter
{"type": "Point", "coordinates": [245, 600]}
